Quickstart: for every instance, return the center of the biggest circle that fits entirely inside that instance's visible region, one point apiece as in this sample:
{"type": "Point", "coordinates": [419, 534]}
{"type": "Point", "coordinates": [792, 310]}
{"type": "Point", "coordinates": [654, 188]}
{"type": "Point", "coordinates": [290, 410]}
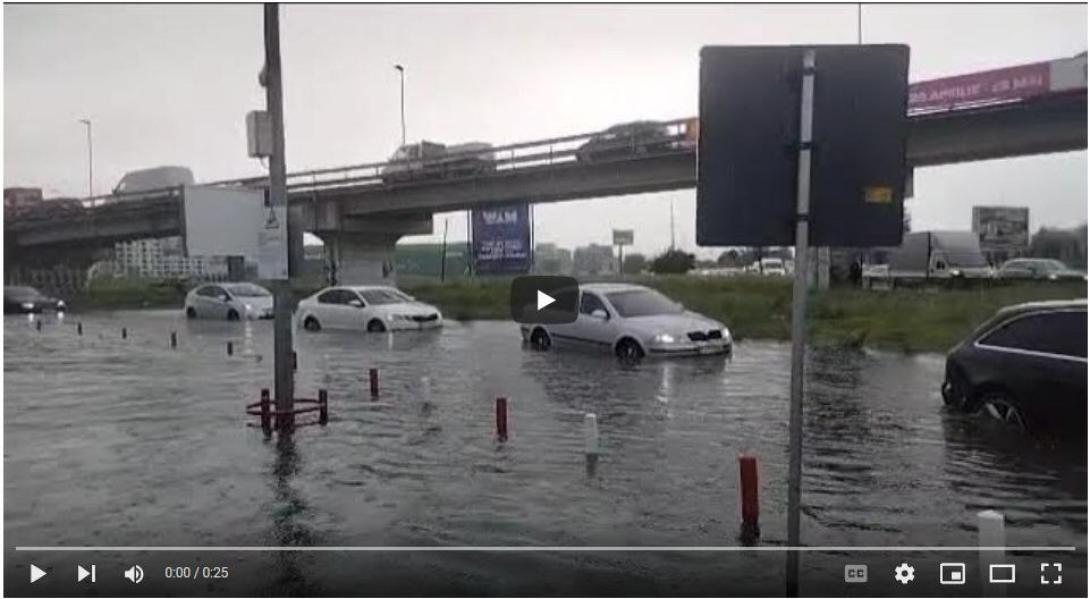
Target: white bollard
{"type": "Point", "coordinates": [992, 534]}
{"type": "Point", "coordinates": [590, 435]}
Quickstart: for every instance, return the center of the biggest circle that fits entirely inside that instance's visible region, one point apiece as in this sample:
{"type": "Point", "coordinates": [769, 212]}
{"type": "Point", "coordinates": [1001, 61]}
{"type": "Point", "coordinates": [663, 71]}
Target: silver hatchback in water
{"type": "Point", "coordinates": [632, 322]}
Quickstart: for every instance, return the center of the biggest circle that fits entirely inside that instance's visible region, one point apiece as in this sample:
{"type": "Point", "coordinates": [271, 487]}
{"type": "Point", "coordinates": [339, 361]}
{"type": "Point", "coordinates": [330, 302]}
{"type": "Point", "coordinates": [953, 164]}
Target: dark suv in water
{"type": "Point", "coordinates": [1026, 367]}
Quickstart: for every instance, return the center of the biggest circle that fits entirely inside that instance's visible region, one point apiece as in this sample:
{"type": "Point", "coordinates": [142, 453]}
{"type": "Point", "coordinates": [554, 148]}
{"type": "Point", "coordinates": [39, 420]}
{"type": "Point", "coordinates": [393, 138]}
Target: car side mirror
{"type": "Point", "coordinates": [600, 314]}
{"type": "Point", "coordinates": [355, 302]}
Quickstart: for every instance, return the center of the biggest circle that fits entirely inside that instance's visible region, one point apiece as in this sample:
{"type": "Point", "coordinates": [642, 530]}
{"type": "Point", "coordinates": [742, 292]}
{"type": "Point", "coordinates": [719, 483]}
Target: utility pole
{"type": "Point", "coordinates": [859, 23]}
{"type": "Point", "coordinates": [278, 198]}
{"type": "Point", "coordinates": [401, 72]}
{"type": "Point", "coordinates": [90, 160]}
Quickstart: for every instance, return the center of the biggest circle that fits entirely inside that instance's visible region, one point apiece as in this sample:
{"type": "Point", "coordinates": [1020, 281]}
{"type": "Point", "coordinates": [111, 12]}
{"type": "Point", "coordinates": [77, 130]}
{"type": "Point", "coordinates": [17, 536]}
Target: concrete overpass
{"type": "Point", "coordinates": [360, 216]}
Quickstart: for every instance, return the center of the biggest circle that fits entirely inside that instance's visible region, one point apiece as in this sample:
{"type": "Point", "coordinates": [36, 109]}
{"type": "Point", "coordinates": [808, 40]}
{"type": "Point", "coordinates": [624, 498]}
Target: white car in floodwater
{"type": "Point", "coordinates": [229, 301]}
{"type": "Point", "coordinates": [371, 308]}
{"type": "Point", "coordinates": [633, 321]}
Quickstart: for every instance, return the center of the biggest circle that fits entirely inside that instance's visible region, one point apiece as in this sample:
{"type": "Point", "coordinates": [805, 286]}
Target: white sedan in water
{"type": "Point", "coordinates": [632, 322]}
{"type": "Point", "coordinates": [370, 308]}
{"type": "Point", "coordinates": [229, 301]}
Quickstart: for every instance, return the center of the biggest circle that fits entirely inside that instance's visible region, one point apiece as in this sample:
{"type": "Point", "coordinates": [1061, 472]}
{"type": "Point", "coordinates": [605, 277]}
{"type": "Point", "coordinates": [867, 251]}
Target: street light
{"type": "Point", "coordinates": [401, 72]}
{"type": "Point", "coordinates": [90, 161]}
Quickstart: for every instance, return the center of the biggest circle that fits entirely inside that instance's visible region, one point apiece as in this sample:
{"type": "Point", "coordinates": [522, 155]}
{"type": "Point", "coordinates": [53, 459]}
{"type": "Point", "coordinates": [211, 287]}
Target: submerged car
{"type": "Point", "coordinates": [1026, 367]}
{"type": "Point", "coordinates": [1039, 269]}
{"type": "Point", "coordinates": [371, 308]}
{"type": "Point", "coordinates": [229, 301]}
{"type": "Point", "coordinates": [632, 322]}
{"type": "Point", "coordinates": [627, 140]}
{"type": "Point", "coordinates": [20, 299]}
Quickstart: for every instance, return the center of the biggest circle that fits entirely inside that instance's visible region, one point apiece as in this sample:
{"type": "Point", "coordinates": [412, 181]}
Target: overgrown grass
{"type": "Point", "coordinates": [910, 320]}
{"type": "Point", "coordinates": [122, 293]}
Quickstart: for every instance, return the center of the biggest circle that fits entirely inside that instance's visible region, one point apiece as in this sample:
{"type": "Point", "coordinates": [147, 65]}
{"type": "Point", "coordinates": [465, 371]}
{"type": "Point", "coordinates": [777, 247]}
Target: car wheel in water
{"type": "Point", "coordinates": [232, 315]}
{"type": "Point", "coordinates": [190, 312]}
{"type": "Point", "coordinates": [311, 324]}
{"type": "Point", "coordinates": [999, 406]}
{"type": "Point", "coordinates": [628, 350]}
{"type": "Point", "coordinates": [539, 339]}
{"type": "Point", "coordinates": [376, 326]}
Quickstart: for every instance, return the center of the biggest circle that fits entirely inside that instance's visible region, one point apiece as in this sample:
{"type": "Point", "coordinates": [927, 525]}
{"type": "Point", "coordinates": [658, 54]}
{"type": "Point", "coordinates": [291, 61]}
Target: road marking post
{"type": "Point", "coordinates": [373, 375]}
{"type": "Point", "coordinates": [751, 507]}
{"type": "Point", "coordinates": [501, 418]}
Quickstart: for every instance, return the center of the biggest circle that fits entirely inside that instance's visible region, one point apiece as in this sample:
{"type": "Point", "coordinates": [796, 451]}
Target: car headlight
{"type": "Point", "coordinates": [1053, 277]}
{"type": "Point", "coordinates": [249, 307]}
{"type": "Point", "coordinates": [61, 304]}
{"type": "Point", "coordinates": [399, 317]}
{"type": "Point", "coordinates": [726, 333]}
{"type": "Point", "coordinates": [28, 305]}
{"type": "Point", "coordinates": [955, 272]}
{"type": "Point", "coordinates": [664, 338]}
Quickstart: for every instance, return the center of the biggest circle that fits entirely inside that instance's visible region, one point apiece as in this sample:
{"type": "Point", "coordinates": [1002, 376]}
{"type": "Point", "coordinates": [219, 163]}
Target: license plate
{"type": "Point", "coordinates": [708, 349]}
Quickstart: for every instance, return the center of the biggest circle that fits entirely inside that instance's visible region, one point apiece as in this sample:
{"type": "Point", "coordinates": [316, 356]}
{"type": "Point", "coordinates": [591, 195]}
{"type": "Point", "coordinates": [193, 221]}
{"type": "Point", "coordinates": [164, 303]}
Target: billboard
{"type": "Point", "coordinates": [998, 85]}
{"type": "Point", "coordinates": [750, 131]}
{"type": "Point", "coordinates": [501, 240]}
{"type": "Point", "coordinates": [223, 222]}
{"type": "Point", "coordinates": [1001, 227]}
{"type": "Point", "coordinates": [623, 236]}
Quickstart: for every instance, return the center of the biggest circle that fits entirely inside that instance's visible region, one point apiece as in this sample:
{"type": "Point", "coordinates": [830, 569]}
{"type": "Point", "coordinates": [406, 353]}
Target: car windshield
{"type": "Point", "coordinates": [384, 296]}
{"type": "Point", "coordinates": [247, 290]}
{"type": "Point", "coordinates": [1051, 265]}
{"type": "Point", "coordinates": [22, 293]}
{"type": "Point", "coordinates": [642, 302]}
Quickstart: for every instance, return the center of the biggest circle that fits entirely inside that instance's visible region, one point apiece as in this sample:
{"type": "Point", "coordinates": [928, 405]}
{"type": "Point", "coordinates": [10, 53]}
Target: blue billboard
{"type": "Point", "coordinates": [501, 240]}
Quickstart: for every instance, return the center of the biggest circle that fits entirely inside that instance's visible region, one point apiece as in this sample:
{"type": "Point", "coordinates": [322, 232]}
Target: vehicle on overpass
{"type": "Point", "coordinates": [229, 301]}
{"type": "Point", "coordinates": [19, 299]}
{"type": "Point", "coordinates": [1025, 367]}
{"type": "Point", "coordinates": [1038, 269]}
{"type": "Point", "coordinates": [431, 160]}
{"type": "Point", "coordinates": [152, 179]}
{"type": "Point", "coordinates": [371, 308]}
{"type": "Point", "coordinates": [627, 140]}
{"type": "Point", "coordinates": [632, 322]}
{"type": "Point", "coordinates": [931, 256]}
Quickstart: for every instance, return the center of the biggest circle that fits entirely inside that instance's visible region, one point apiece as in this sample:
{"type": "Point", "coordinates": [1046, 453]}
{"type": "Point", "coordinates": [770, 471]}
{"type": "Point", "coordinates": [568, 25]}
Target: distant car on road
{"type": "Point", "coordinates": [632, 322]}
{"type": "Point", "coordinates": [773, 267]}
{"type": "Point", "coordinates": [1038, 269]}
{"type": "Point", "coordinates": [371, 308]}
{"type": "Point", "coordinates": [430, 160]}
{"type": "Point", "coordinates": [627, 140]}
{"type": "Point", "coordinates": [1026, 367]}
{"type": "Point", "coordinates": [229, 301]}
{"type": "Point", "coordinates": [152, 179]}
{"type": "Point", "coordinates": [20, 299]}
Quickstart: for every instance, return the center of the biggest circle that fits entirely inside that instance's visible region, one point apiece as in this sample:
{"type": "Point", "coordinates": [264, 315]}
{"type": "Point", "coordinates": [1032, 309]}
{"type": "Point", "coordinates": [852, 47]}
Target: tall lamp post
{"type": "Point", "coordinates": [401, 72]}
{"type": "Point", "coordinates": [90, 161]}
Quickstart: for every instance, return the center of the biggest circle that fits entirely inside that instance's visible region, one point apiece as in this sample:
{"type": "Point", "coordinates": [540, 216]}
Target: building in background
{"type": "Point", "coordinates": [594, 259]}
{"type": "Point", "coordinates": [21, 197]}
{"type": "Point", "coordinates": [164, 258]}
{"type": "Point", "coordinates": [549, 259]}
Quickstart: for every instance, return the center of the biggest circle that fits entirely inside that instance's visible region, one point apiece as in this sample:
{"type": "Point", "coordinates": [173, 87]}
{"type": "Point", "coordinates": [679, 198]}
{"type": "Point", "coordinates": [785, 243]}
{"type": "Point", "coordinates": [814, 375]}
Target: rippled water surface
{"type": "Point", "coordinates": [122, 442]}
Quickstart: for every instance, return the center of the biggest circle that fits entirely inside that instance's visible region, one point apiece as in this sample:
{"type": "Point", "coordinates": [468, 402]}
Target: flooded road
{"type": "Point", "coordinates": [127, 442]}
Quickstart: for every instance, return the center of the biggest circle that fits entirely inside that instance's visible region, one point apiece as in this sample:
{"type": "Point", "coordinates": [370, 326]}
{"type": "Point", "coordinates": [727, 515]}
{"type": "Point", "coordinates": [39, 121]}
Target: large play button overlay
{"type": "Point", "coordinates": [544, 300]}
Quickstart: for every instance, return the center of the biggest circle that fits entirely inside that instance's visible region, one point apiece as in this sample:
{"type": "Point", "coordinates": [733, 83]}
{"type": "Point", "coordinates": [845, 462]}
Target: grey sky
{"type": "Point", "coordinates": [171, 85]}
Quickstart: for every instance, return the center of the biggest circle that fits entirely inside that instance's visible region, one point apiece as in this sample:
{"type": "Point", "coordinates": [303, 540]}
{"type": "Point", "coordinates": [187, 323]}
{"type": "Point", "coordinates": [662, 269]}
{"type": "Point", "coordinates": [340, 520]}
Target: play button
{"type": "Point", "coordinates": [544, 300]}
{"type": "Point", "coordinates": [36, 573]}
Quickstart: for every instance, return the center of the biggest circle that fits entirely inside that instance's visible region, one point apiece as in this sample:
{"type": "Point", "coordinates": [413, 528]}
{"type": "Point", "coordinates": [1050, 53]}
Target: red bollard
{"type": "Point", "coordinates": [323, 407]}
{"type": "Point", "coordinates": [173, 340]}
{"type": "Point", "coordinates": [38, 325]}
{"type": "Point", "coordinates": [747, 469]}
{"type": "Point", "coordinates": [266, 417]}
{"type": "Point", "coordinates": [501, 418]}
{"type": "Point", "coordinates": [79, 329]}
{"type": "Point", "coordinates": [230, 348]}
{"type": "Point", "coordinates": [124, 333]}
{"type": "Point", "coordinates": [374, 383]}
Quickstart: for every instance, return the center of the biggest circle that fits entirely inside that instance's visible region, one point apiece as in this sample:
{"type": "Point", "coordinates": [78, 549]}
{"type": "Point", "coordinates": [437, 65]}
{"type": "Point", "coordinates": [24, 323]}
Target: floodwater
{"type": "Point", "coordinates": [128, 442]}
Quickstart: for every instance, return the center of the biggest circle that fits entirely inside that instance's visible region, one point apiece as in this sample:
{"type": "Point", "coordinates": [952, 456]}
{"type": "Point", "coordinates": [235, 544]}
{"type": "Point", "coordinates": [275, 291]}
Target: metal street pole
{"type": "Point", "coordinates": [673, 236]}
{"type": "Point", "coordinates": [278, 198]}
{"type": "Point", "coordinates": [401, 72]}
{"type": "Point", "coordinates": [443, 265]}
{"type": "Point", "coordinates": [90, 160]}
{"type": "Point", "coordinates": [798, 322]}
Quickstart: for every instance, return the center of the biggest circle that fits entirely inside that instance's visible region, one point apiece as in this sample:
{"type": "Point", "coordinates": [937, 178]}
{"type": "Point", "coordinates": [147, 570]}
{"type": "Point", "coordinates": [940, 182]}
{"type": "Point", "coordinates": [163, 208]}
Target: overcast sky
{"type": "Point", "coordinates": [172, 84]}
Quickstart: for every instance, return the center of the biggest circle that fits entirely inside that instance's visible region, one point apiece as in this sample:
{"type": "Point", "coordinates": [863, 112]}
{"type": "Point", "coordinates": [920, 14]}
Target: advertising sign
{"type": "Point", "coordinates": [1001, 227]}
{"type": "Point", "coordinates": [222, 222]}
{"type": "Point", "coordinates": [501, 240]}
{"type": "Point", "coordinates": [623, 236]}
{"type": "Point", "coordinates": [1012, 83]}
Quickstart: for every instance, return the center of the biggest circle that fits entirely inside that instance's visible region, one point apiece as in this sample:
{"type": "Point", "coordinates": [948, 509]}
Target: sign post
{"type": "Point", "coordinates": [274, 251]}
{"type": "Point", "coordinates": [621, 238]}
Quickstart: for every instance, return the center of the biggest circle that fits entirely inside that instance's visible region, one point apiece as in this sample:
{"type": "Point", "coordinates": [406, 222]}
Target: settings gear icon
{"type": "Point", "coordinates": [904, 573]}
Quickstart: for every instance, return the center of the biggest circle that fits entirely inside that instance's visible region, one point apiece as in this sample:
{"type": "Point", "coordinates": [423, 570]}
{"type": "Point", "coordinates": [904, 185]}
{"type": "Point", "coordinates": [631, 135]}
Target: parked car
{"type": "Point", "coordinates": [773, 267]}
{"type": "Point", "coordinates": [430, 160]}
{"type": "Point", "coordinates": [1026, 367]}
{"type": "Point", "coordinates": [371, 308]}
{"type": "Point", "coordinates": [229, 301]}
{"type": "Point", "coordinates": [627, 140]}
{"type": "Point", "coordinates": [1039, 269]}
{"type": "Point", "coordinates": [20, 299]}
{"type": "Point", "coordinates": [632, 321]}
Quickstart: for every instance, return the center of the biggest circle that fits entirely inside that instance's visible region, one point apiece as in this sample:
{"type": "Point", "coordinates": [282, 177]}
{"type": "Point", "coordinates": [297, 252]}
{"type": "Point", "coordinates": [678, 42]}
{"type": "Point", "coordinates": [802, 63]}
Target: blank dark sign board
{"type": "Point", "coordinates": [749, 142]}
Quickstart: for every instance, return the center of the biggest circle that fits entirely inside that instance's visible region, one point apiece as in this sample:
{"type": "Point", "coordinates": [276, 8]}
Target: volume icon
{"type": "Point", "coordinates": [135, 574]}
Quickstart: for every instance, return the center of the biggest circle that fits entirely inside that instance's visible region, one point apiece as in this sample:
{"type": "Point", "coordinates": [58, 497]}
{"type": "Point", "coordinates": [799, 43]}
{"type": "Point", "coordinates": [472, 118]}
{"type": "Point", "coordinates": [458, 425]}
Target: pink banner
{"type": "Point", "coordinates": [1012, 83]}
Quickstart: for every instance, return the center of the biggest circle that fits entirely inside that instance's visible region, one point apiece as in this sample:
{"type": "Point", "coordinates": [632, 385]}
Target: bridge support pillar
{"type": "Point", "coordinates": [360, 259]}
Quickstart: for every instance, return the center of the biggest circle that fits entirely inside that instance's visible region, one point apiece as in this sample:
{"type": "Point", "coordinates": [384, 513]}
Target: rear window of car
{"type": "Point", "coordinates": [337, 296]}
{"type": "Point", "coordinates": [1060, 332]}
